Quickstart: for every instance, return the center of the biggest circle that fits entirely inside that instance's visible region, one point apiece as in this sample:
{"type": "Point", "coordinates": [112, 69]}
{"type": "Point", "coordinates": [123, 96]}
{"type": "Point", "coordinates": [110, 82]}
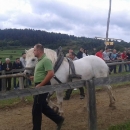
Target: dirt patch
{"type": "Point", "coordinates": [19, 117]}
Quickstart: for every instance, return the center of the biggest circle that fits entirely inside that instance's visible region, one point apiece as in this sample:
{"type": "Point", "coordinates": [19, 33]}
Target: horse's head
{"type": "Point", "coordinates": [31, 60]}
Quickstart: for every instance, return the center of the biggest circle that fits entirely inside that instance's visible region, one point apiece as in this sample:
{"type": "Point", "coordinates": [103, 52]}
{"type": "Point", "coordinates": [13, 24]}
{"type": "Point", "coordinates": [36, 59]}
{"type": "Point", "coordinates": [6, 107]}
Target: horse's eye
{"type": "Point", "coordinates": [33, 59]}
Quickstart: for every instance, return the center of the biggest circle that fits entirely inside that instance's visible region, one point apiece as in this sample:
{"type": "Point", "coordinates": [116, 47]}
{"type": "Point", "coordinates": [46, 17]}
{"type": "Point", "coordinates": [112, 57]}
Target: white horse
{"type": "Point", "coordinates": [88, 67]}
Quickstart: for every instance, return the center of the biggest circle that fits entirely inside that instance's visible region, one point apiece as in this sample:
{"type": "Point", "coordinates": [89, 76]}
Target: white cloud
{"type": "Point", "coordinates": [81, 18]}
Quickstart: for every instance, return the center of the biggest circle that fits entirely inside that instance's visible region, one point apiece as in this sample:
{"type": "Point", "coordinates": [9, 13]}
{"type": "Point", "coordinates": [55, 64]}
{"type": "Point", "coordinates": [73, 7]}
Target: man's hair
{"type": "Point", "coordinates": [17, 58]}
{"type": "Point", "coordinates": [23, 53]}
{"type": "Point", "coordinates": [73, 54]}
{"type": "Point", "coordinates": [7, 59]}
{"type": "Point", "coordinates": [39, 47]}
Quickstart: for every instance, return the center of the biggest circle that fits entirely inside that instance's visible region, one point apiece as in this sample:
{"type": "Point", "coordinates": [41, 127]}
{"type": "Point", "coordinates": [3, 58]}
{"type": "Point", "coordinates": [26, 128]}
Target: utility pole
{"type": "Point", "coordinates": [108, 21]}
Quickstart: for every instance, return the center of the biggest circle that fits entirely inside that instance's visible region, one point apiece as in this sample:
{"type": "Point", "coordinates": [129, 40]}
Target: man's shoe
{"type": "Point", "coordinates": [59, 125]}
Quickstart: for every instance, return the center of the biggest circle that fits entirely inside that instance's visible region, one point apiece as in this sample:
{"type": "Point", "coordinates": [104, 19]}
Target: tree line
{"type": "Point", "coordinates": [29, 37]}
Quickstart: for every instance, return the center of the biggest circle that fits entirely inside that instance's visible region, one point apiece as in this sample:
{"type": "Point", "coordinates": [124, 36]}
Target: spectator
{"type": "Point", "coordinates": [94, 51]}
{"type": "Point", "coordinates": [23, 61]}
{"type": "Point", "coordinates": [70, 50]}
{"type": "Point", "coordinates": [84, 53]}
{"type": "Point", "coordinates": [128, 58]}
{"type": "Point", "coordinates": [100, 53]}
{"type": "Point", "coordinates": [7, 66]}
{"type": "Point", "coordinates": [73, 57]}
{"type": "Point", "coordinates": [106, 55]}
{"type": "Point", "coordinates": [80, 53]}
{"type": "Point", "coordinates": [1, 68]}
{"type": "Point", "coordinates": [113, 57]}
{"type": "Point", "coordinates": [119, 58]}
{"type": "Point", "coordinates": [124, 58]}
{"type": "Point", "coordinates": [16, 65]}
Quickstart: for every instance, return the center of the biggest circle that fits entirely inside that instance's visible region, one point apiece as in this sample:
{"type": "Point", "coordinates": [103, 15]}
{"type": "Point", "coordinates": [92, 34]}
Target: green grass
{"type": "Point", "coordinates": [123, 126]}
{"type": "Point", "coordinates": [14, 101]}
{"type": "Point", "coordinates": [12, 54]}
{"type": "Point", "coordinates": [9, 102]}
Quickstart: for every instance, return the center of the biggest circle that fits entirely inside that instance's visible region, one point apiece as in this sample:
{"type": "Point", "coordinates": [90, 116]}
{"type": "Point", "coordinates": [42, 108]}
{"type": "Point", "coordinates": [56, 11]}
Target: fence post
{"type": "Point", "coordinates": [3, 81]}
{"type": "Point", "coordinates": [91, 105]}
{"type": "Point", "coordinates": [21, 84]}
{"type": "Point", "coordinates": [123, 66]}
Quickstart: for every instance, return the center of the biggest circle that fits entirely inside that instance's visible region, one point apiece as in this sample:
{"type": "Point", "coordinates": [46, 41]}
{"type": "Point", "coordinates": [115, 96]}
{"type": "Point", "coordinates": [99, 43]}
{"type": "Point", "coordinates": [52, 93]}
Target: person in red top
{"type": "Point", "coordinates": [100, 53]}
{"type": "Point", "coordinates": [124, 55]}
{"type": "Point", "coordinates": [124, 58]}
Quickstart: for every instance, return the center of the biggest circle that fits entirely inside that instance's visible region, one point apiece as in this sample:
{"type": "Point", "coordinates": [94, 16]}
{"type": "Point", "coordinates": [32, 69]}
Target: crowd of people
{"type": "Point", "coordinates": [19, 63]}
{"type": "Point", "coordinates": [107, 55]}
{"type": "Point", "coordinates": [113, 56]}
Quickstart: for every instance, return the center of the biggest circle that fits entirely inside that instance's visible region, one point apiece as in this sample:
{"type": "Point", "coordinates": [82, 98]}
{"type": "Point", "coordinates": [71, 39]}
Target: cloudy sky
{"type": "Point", "coordinates": [74, 17]}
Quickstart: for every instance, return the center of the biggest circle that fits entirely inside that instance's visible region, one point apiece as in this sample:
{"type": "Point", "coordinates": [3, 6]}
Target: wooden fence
{"type": "Point", "coordinates": [11, 74]}
{"type": "Point", "coordinates": [90, 84]}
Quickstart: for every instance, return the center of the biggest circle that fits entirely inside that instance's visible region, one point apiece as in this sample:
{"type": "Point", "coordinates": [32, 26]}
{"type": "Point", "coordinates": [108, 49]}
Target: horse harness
{"type": "Point", "coordinates": [72, 73]}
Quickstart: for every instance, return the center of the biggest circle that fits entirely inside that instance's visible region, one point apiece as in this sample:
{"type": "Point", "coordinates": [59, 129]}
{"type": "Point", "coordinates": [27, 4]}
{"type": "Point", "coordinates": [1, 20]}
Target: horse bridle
{"type": "Point", "coordinates": [58, 63]}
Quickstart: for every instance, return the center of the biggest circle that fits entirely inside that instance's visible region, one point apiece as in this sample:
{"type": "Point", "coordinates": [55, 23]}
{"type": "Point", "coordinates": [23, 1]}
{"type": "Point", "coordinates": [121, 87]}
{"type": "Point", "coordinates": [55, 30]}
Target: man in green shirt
{"type": "Point", "coordinates": [42, 76]}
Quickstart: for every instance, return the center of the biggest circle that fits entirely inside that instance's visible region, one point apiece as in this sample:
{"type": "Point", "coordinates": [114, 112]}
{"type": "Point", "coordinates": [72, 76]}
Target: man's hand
{"type": "Point", "coordinates": [31, 78]}
{"type": "Point", "coordinates": [38, 86]}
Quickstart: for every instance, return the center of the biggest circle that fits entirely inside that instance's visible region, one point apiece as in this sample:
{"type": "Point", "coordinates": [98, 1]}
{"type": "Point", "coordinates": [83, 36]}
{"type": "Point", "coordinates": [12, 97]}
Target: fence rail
{"type": "Point", "coordinates": [49, 88]}
{"type": "Point", "coordinates": [92, 114]}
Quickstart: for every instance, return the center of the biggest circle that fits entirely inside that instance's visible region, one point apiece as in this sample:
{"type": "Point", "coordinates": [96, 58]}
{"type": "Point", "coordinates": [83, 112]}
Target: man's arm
{"type": "Point", "coordinates": [48, 77]}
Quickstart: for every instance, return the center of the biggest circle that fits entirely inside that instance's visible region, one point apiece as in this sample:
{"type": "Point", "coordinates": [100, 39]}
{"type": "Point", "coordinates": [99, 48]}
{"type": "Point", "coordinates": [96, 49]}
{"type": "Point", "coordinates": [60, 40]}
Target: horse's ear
{"type": "Point", "coordinates": [60, 48]}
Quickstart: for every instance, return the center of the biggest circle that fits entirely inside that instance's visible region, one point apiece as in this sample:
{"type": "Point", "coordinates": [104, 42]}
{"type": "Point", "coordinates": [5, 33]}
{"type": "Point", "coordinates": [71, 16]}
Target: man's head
{"type": "Point", "coordinates": [24, 55]}
{"type": "Point", "coordinates": [114, 51]}
{"type": "Point", "coordinates": [7, 60]}
{"type": "Point", "coordinates": [70, 50]}
{"type": "Point", "coordinates": [107, 49]}
{"type": "Point", "coordinates": [17, 60]}
{"type": "Point", "coordinates": [101, 50]}
{"type": "Point", "coordinates": [124, 52]}
{"type": "Point", "coordinates": [81, 49]}
{"type": "Point", "coordinates": [72, 55]}
{"type": "Point", "coordinates": [38, 50]}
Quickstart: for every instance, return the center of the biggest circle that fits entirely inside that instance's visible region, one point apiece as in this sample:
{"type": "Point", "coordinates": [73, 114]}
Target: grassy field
{"type": "Point", "coordinates": [12, 53]}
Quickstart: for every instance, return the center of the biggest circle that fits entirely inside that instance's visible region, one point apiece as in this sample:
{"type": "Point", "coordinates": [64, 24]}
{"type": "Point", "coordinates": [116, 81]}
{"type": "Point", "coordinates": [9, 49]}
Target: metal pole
{"type": "Point", "coordinates": [108, 21]}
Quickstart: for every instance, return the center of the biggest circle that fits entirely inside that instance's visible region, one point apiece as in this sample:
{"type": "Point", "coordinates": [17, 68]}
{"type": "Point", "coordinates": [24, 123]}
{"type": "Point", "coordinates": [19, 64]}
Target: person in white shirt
{"type": "Point", "coordinates": [106, 55]}
{"type": "Point", "coordinates": [22, 59]}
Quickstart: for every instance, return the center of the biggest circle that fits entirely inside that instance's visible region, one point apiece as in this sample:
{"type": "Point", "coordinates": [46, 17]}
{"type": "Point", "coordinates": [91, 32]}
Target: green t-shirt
{"type": "Point", "coordinates": [44, 64]}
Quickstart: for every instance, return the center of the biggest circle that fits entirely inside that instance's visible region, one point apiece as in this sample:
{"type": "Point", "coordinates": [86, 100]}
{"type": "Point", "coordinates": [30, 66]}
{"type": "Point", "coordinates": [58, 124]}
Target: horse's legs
{"type": "Point", "coordinates": [111, 96]}
{"type": "Point", "coordinates": [59, 95]}
{"type": "Point", "coordinates": [51, 104]}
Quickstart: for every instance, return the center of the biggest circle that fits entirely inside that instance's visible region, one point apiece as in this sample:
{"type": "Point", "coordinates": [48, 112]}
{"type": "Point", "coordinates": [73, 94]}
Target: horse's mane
{"type": "Point", "coordinates": [51, 54]}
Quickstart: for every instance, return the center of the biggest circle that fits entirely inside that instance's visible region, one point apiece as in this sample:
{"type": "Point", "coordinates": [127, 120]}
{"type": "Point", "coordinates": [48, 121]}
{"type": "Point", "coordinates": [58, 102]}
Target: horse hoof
{"type": "Point", "coordinates": [112, 106]}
